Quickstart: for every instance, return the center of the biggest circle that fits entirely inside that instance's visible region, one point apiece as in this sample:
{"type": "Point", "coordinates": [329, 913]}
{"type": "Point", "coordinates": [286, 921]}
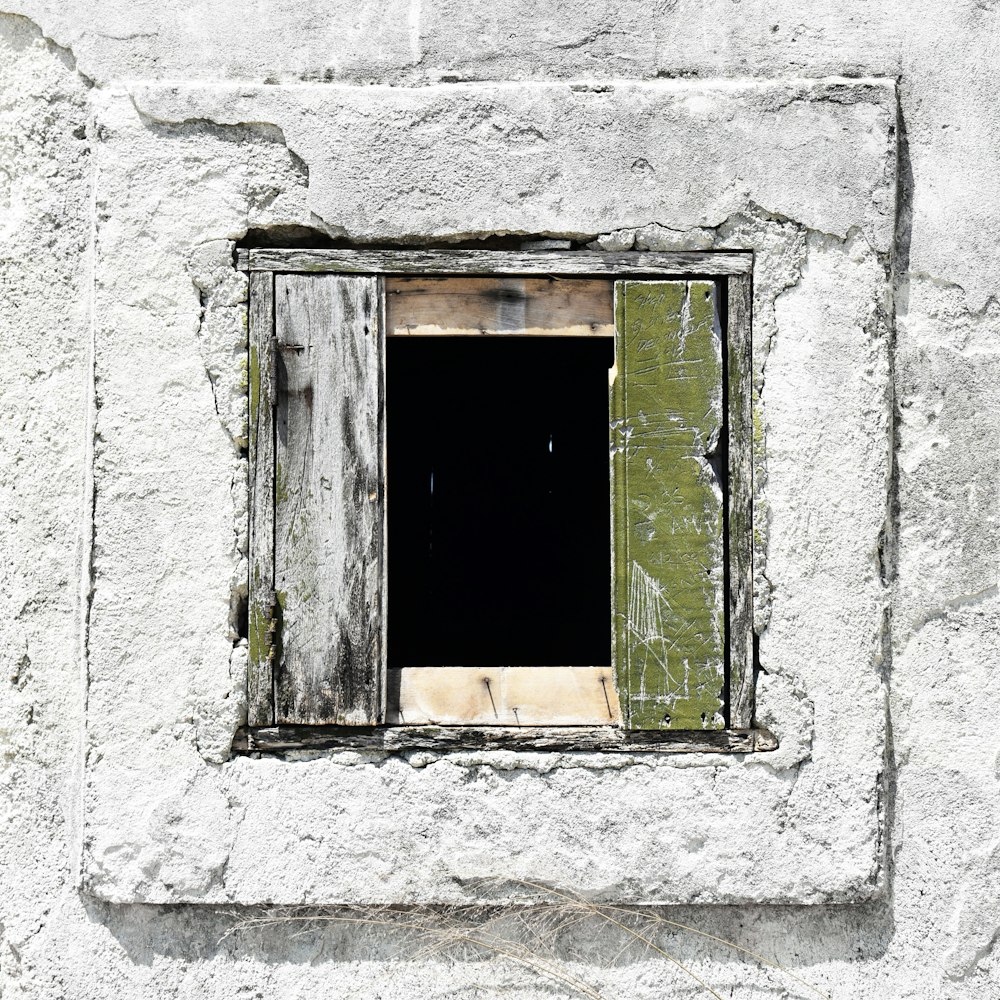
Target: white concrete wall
{"type": "Point", "coordinates": [79, 134]}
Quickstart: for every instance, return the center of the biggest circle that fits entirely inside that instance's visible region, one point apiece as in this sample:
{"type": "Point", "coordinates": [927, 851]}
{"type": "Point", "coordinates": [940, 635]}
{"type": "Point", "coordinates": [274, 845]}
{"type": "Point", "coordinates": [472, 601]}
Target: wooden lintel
{"type": "Point", "coordinates": [399, 739]}
{"type": "Point", "coordinates": [444, 306]}
{"type": "Point", "coordinates": [543, 262]}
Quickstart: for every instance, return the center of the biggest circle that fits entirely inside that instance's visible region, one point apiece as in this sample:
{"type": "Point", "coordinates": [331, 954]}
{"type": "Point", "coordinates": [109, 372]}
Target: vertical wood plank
{"type": "Point", "coordinates": [619, 563]}
{"type": "Point", "coordinates": [260, 370]}
{"type": "Point", "coordinates": [670, 623]}
{"type": "Point", "coordinates": [328, 523]}
{"type": "Point", "coordinates": [738, 337]}
{"type": "Point", "coordinates": [381, 305]}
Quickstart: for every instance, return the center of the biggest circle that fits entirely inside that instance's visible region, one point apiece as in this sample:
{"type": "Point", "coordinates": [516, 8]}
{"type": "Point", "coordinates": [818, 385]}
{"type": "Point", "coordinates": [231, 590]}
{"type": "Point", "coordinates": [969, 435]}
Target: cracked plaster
{"type": "Point", "coordinates": [934, 933]}
{"type": "Point", "coordinates": [179, 173]}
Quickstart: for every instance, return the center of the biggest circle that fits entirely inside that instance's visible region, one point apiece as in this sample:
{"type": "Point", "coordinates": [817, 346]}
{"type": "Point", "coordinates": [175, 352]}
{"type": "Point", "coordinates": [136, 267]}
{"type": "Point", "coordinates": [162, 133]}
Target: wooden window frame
{"type": "Point", "coordinates": [734, 268]}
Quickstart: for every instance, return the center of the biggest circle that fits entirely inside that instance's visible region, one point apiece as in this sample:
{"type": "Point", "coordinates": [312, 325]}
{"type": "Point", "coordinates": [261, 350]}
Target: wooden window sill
{"type": "Point", "coordinates": [602, 739]}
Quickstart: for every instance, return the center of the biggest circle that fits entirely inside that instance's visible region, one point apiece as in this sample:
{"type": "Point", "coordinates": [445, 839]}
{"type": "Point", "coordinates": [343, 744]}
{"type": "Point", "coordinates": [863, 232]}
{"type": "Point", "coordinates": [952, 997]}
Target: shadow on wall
{"type": "Point", "coordinates": [584, 950]}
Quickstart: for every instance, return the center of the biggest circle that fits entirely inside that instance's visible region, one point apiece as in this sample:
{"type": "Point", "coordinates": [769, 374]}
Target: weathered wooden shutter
{"type": "Point", "coordinates": [262, 606]}
{"type": "Point", "coordinates": [668, 523]}
{"type": "Point", "coordinates": [325, 662]}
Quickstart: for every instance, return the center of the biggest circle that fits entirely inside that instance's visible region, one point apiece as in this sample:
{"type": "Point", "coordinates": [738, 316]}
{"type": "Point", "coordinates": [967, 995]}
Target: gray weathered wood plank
{"type": "Point", "coordinates": [260, 617]}
{"type": "Point", "coordinates": [604, 739]}
{"type": "Point", "coordinates": [328, 522]}
{"type": "Point", "coordinates": [619, 565]}
{"type": "Point", "coordinates": [738, 335]}
{"type": "Point", "coordinates": [670, 557]}
{"type": "Point", "coordinates": [383, 525]}
{"type": "Point", "coordinates": [476, 306]}
{"type": "Point", "coordinates": [582, 262]}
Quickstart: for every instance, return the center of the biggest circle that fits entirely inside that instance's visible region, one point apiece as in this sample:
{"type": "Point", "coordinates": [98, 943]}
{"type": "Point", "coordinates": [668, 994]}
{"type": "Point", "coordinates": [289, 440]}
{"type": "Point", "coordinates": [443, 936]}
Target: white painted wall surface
{"type": "Point", "coordinates": [89, 160]}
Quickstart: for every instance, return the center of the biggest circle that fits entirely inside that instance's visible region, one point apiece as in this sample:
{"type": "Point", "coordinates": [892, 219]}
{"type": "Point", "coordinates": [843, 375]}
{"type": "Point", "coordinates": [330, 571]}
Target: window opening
{"type": "Point", "coordinates": [498, 510]}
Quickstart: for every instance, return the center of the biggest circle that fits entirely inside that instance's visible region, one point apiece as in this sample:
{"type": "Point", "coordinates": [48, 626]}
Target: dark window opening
{"type": "Point", "coordinates": [498, 514]}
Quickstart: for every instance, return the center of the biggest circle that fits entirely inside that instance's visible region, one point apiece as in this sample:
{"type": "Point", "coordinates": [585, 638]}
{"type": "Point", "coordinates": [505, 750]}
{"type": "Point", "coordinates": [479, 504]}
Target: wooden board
{"type": "Point", "coordinates": [668, 515]}
{"type": "Point", "coordinates": [475, 306]}
{"type": "Point", "coordinates": [740, 536]}
{"type": "Point", "coordinates": [582, 262]}
{"type": "Point", "coordinates": [541, 739]}
{"type": "Point", "coordinates": [323, 680]}
{"type": "Point", "coordinates": [328, 521]}
{"type": "Point", "coordinates": [504, 696]}
{"type": "Point", "coordinates": [260, 612]}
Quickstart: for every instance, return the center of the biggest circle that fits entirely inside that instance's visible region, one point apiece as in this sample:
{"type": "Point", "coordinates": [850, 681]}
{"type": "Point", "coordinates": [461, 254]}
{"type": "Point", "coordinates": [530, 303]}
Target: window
{"type": "Point", "coordinates": [437, 536]}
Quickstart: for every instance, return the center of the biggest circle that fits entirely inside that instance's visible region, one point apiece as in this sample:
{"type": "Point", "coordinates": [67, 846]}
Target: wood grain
{"type": "Point", "coordinates": [477, 306]}
{"type": "Point", "coordinates": [504, 696]}
{"type": "Point", "coordinates": [328, 522]}
{"type": "Point", "coordinates": [619, 519]}
{"type": "Point", "coordinates": [581, 262]}
{"type": "Point", "coordinates": [260, 616]}
{"type": "Point", "coordinates": [585, 739]}
{"type": "Point", "coordinates": [740, 555]}
{"type": "Point", "coordinates": [670, 601]}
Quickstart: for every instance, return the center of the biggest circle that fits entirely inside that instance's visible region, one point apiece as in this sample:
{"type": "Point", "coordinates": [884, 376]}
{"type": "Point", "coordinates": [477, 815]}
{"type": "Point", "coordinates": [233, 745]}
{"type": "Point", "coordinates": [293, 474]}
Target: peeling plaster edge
{"type": "Point", "coordinates": [64, 47]}
{"type": "Point", "coordinates": [975, 308]}
{"type": "Point", "coordinates": [753, 210]}
{"type": "Point", "coordinates": [944, 610]}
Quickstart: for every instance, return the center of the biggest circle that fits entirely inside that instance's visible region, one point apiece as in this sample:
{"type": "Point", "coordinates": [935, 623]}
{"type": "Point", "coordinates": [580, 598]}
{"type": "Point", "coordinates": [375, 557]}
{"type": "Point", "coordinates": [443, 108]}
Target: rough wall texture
{"type": "Point", "coordinates": [931, 931]}
{"type": "Point", "coordinates": [167, 818]}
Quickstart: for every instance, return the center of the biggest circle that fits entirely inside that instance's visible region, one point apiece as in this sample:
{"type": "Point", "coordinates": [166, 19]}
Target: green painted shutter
{"type": "Point", "coordinates": [669, 549]}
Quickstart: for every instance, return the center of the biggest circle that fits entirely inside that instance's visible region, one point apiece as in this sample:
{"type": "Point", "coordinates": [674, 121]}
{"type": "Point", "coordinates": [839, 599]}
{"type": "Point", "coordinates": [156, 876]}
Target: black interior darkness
{"type": "Point", "coordinates": [498, 510]}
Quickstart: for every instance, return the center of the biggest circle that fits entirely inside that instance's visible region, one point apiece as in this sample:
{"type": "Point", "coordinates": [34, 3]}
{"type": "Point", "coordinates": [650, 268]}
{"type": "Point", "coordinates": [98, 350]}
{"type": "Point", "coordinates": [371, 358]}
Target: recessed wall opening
{"type": "Point", "coordinates": [498, 511]}
{"type": "Point", "coordinates": [438, 498]}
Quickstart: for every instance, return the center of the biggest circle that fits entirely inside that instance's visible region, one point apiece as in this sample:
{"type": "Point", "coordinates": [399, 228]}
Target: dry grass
{"type": "Point", "coordinates": [525, 935]}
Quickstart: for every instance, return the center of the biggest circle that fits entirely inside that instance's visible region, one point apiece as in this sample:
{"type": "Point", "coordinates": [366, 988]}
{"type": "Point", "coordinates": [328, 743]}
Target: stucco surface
{"type": "Point", "coordinates": [93, 161]}
{"type": "Point", "coordinates": [167, 817]}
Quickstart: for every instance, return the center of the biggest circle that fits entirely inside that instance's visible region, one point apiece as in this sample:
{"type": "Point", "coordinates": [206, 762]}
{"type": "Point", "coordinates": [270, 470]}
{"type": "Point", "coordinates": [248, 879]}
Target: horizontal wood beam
{"type": "Point", "coordinates": [543, 262]}
{"type": "Point", "coordinates": [494, 306]}
{"type": "Point", "coordinates": [397, 739]}
{"type": "Point", "coordinates": [503, 696]}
